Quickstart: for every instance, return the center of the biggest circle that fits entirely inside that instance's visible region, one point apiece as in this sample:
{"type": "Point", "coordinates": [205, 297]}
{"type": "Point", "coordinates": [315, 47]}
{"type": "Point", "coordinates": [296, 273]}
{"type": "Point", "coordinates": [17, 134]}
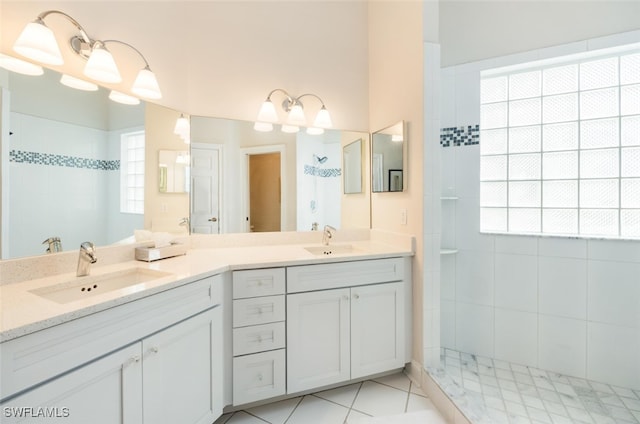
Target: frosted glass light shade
{"type": "Point", "coordinates": [263, 126]}
{"type": "Point", "coordinates": [296, 115]}
{"type": "Point", "coordinates": [323, 120]}
{"type": "Point", "coordinates": [183, 127]}
{"type": "Point", "coordinates": [315, 131]}
{"type": "Point", "coordinates": [101, 66]}
{"type": "Point", "coordinates": [267, 112]}
{"type": "Point", "coordinates": [290, 129]}
{"type": "Point", "coordinates": [125, 99]}
{"type": "Point", "coordinates": [20, 66]}
{"type": "Point", "coordinates": [37, 42]}
{"type": "Point", "coordinates": [78, 84]}
{"type": "Point", "coordinates": [146, 85]}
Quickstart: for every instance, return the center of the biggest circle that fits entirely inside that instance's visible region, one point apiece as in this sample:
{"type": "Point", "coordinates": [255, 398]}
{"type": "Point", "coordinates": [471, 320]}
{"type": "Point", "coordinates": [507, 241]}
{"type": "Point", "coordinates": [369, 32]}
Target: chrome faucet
{"type": "Point", "coordinates": [327, 234]}
{"type": "Point", "coordinates": [86, 257]}
{"type": "Point", "coordinates": [184, 222]}
{"type": "Point", "coordinates": [55, 245]}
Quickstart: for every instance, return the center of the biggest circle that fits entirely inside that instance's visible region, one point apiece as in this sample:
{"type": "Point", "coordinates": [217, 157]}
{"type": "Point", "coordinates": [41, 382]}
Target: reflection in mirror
{"type": "Point", "coordinates": [306, 187]}
{"type": "Point", "coordinates": [62, 151]}
{"type": "Point", "coordinates": [388, 159]}
{"type": "Point", "coordinates": [173, 169]}
{"type": "Point", "coordinates": [352, 159]}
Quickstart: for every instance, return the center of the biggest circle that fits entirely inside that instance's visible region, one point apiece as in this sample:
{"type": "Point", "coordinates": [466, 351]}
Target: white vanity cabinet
{"type": "Point", "coordinates": [344, 321]}
{"type": "Point", "coordinates": [154, 360]}
{"type": "Point", "coordinates": [259, 339]}
{"type": "Point", "coordinates": [107, 391]}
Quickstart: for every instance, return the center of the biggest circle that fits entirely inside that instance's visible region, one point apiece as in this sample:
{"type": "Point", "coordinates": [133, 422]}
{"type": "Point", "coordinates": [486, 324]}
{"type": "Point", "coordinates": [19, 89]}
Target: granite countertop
{"type": "Point", "coordinates": [23, 312]}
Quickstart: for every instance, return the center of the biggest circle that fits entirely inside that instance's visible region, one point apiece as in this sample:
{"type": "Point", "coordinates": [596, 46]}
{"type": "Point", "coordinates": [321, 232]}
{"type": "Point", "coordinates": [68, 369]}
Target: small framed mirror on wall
{"type": "Point", "coordinates": [352, 156]}
{"type": "Point", "coordinates": [173, 171]}
{"type": "Point", "coordinates": [388, 159]}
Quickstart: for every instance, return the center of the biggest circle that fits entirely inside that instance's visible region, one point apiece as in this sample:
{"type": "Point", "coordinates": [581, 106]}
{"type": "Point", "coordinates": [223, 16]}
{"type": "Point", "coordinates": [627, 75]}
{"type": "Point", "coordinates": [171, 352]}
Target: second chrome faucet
{"type": "Point", "coordinates": [86, 257]}
{"type": "Point", "coordinates": [327, 234]}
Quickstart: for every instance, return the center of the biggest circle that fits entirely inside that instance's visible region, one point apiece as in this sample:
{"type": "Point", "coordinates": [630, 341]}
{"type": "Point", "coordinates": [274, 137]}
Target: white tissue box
{"type": "Point", "coordinates": [149, 254]}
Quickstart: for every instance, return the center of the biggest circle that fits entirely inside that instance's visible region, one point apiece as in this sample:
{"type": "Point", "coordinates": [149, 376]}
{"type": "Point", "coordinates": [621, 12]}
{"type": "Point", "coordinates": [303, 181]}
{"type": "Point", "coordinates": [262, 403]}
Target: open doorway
{"type": "Point", "coordinates": [264, 193]}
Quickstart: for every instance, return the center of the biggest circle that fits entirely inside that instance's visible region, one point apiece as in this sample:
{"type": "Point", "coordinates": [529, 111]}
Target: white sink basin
{"type": "Point", "coordinates": [337, 249]}
{"type": "Point", "coordinates": [85, 287]}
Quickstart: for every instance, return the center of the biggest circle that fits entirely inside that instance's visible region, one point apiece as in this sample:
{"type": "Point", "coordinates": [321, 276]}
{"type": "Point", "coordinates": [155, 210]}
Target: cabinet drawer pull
{"type": "Point", "coordinates": [260, 377]}
{"type": "Point", "coordinates": [132, 360]}
{"type": "Point", "coordinates": [356, 296]}
{"type": "Point", "coordinates": [345, 297]}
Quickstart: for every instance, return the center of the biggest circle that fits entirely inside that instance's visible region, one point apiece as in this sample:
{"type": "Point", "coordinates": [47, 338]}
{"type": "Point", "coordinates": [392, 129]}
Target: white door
{"type": "Point", "coordinates": [205, 189]}
{"type": "Point", "coordinates": [107, 391]}
{"type": "Point", "coordinates": [182, 374]}
{"type": "Point", "coordinates": [317, 339]}
{"type": "Point", "coordinates": [377, 329]}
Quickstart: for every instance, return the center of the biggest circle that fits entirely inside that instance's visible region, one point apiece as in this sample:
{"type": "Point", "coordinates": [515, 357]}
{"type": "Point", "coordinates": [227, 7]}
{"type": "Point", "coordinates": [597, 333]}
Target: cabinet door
{"type": "Point", "coordinates": [377, 329]}
{"type": "Point", "coordinates": [107, 391]}
{"type": "Point", "coordinates": [182, 372]}
{"type": "Point", "coordinates": [317, 339]}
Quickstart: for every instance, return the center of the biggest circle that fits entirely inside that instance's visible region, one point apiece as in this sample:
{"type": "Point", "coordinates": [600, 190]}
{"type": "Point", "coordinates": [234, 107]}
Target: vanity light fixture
{"type": "Point", "coordinates": [37, 41]}
{"type": "Point", "coordinates": [295, 114]}
{"type": "Point", "coordinates": [20, 66]}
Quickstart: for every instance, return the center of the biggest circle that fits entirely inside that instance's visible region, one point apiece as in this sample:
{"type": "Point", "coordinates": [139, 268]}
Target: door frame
{"type": "Point", "coordinates": [245, 152]}
{"type": "Point", "coordinates": [222, 222]}
{"type": "Point", "coordinates": [5, 116]}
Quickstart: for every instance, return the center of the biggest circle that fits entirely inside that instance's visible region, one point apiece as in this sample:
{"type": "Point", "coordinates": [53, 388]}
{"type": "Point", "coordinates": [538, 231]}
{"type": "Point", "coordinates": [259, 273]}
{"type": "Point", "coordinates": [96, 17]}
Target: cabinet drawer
{"type": "Point", "coordinates": [344, 274]}
{"type": "Point", "coordinates": [259, 376]}
{"type": "Point", "coordinates": [258, 338]}
{"type": "Point", "coordinates": [259, 310]}
{"type": "Point", "coordinates": [258, 282]}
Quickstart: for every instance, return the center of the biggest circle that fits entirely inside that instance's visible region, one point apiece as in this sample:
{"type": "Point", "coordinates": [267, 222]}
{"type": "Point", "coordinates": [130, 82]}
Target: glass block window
{"type": "Point", "coordinates": [132, 172]}
{"type": "Point", "coordinates": [560, 146]}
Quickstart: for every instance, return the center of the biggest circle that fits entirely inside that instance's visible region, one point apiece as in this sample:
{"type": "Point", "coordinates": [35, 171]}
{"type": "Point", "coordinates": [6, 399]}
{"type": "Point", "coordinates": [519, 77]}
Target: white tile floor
{"type": "Point", "coordinates": [386, 396]}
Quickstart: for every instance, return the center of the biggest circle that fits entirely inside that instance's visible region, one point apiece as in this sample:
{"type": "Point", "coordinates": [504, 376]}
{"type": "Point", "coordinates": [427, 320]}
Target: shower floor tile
{"type": "Point", "coordinates": [488, 390]}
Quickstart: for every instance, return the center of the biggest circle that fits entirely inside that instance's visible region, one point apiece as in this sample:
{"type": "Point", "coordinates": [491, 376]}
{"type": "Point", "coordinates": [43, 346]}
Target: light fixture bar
{"type": "Point", "coordinates": [295, 110]}
{"type": "Point", "coordinates": [37, 41]}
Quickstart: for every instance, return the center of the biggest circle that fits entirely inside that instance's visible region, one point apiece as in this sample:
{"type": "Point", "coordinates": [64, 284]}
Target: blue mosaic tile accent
{"type": "Point", "coordinates": [460, 136]}
{"type": "Point", "coordinates": [322, 172]}
{"type": "Point", "coordinates": [35, 158]}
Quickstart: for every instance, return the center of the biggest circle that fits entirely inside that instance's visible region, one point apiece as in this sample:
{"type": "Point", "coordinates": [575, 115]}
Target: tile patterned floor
{"type": "Point", "coordinates": [497, 392]}
{"type": "Point", "coordinates": [390, 395]}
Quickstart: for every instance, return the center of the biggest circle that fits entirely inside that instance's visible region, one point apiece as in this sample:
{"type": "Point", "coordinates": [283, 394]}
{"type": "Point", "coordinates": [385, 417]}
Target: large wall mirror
{"type": "Point", "coordinates": [61, 153]}
{"type": "Point", "coordinates": [63, 173]}
{"type": "Point", "coordinates": [269, 181]}
{"type": "Point", "coordinates": [389, 159]}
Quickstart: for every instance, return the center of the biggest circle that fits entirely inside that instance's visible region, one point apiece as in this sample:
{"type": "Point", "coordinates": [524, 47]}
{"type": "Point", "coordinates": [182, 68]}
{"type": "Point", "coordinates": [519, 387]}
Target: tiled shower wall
{"type": "Point", "coordinates": [563, 304]}
{"type": "Point", "coordinates": [52, 165]}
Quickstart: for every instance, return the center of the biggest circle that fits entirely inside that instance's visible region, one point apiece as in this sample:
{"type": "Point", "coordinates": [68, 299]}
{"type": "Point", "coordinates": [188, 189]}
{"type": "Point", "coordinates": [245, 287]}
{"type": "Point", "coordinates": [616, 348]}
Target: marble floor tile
{"type": "Point", "coordinates": [515, 394]}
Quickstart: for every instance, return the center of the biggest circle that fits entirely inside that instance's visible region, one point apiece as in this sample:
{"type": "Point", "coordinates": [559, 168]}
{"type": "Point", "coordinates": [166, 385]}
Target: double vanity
{"type": "Point", "coordinates": [181, 339]}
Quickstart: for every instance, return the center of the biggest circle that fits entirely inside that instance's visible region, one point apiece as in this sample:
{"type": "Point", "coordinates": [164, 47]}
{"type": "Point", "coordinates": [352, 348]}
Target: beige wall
{"type": "Point", "coordinates": [162, 211]}
{"type": "Point", "coordinates": [395, 94]}
{"type": "Point", "coordinates": [221, 58]}
{"type": "Point", "coordinates": [476, 30]}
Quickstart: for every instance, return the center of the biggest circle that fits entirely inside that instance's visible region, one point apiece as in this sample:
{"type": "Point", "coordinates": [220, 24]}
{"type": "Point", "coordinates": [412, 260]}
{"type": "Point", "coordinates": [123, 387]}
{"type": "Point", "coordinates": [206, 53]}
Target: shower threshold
{"type": "Point", "coordinates": [490, 391]}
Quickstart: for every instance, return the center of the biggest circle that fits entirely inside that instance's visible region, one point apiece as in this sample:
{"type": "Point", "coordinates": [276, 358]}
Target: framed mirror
{"type": "Point", "coordinates": [173, 171]}
{"type": "Point", "coordinates": [352, 165]}
{"type": "Point", "coordinates": [388, 159]}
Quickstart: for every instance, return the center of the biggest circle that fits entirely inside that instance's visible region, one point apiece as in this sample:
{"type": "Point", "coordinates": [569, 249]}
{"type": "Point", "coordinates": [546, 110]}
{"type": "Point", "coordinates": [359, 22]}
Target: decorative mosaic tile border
{"type": "Point", "coordinates": [322, 172]}
{"type": "Point", "coordinates": [19, 156]}
{"type": "Point", "coordinates": [460, 136]}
